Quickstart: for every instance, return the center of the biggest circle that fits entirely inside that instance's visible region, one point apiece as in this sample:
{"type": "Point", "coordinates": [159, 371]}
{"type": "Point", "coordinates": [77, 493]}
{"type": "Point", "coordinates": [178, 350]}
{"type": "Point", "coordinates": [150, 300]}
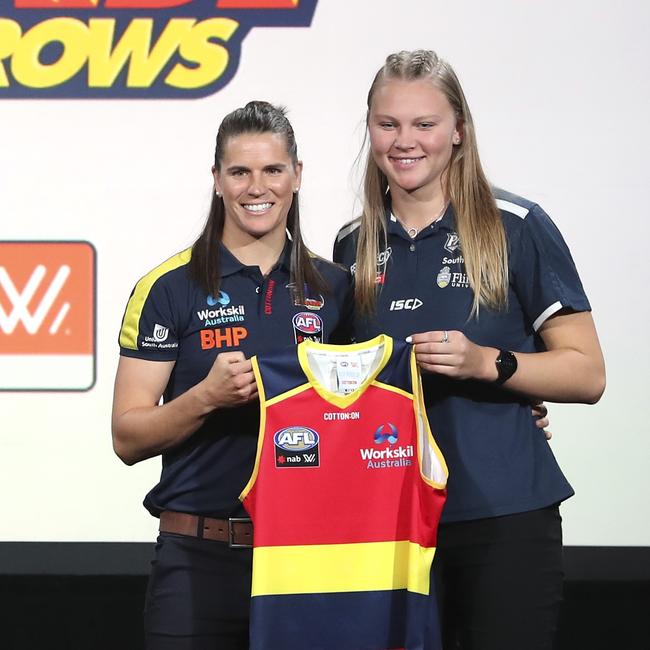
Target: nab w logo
{"type": "Point", "coordinates": [292, 443]}
{"type": "Point", "coordinates": [47, 307]}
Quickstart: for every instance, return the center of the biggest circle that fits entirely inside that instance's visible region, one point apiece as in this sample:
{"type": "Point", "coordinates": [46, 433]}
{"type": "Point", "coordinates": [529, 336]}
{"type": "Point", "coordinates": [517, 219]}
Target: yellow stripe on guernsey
{"type": "Point", "coordinates": [260, 434]}
{"type": "Point", "coordinates": [368, 566]}
{"type": "Point", "coordinates": [131, 325]}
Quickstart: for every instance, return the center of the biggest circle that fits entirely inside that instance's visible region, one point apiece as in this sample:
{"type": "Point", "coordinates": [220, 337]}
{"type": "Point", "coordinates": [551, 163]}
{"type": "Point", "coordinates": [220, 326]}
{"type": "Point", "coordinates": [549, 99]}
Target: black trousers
{"type": "Point", "coordinates": [198, 597]}
{"type": "Point", "coordinates": [499, 581]}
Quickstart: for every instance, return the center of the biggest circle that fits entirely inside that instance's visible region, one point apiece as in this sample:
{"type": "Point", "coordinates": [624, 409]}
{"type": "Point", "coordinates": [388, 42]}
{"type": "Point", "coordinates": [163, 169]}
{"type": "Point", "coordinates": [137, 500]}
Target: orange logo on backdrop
{"type": "Point", "coordinates": [47, 295]}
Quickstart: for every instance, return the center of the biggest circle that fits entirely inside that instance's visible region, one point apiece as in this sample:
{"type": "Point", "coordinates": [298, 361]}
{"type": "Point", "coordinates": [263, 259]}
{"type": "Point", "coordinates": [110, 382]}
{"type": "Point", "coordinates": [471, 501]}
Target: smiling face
{"type": "Point", "coordinates": [257, 179]}
{"type": "Point", "coordinates": [413, 130]}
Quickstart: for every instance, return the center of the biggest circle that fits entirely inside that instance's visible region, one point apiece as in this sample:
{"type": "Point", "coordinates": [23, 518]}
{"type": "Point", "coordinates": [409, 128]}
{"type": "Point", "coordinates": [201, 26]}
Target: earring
{"type": "Point", "coordinates": [218, 194]}
{"type": "Point", "coordinates": [295, 190]}
{"type": "Point", "coordinates": [456, 139]}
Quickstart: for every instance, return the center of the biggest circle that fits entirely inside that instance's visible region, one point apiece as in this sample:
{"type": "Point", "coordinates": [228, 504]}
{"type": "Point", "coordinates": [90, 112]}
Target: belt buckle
{"type": "Point", "coordinates": [231, 531]}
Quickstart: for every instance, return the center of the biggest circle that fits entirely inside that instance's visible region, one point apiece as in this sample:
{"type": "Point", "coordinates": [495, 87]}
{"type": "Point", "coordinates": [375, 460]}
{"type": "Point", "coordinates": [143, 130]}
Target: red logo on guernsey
{"type": "Point", "coordinates": [131, 48]}
{"type": "Point", "coordinates": [296, 447]}
{"type": "Point", "coordinates": [47, 316]}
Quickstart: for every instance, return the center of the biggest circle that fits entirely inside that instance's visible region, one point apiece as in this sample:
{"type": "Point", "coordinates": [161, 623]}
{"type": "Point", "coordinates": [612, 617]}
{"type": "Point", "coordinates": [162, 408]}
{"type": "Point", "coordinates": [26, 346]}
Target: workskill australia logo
{"type": "Point", "coordinates": [393, 455]}
{"type": "Point", "coordinates": [47, 316]}
{"type": "Point", "coordinates": [79, 49]}
{"type": "Point", "coordinates": [296, 447]}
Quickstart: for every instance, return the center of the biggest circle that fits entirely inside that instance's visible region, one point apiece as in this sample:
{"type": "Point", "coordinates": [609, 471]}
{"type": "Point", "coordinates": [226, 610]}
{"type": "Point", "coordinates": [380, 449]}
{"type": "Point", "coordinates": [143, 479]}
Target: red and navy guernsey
{"type": "Point", "coordinates": [345, 497]}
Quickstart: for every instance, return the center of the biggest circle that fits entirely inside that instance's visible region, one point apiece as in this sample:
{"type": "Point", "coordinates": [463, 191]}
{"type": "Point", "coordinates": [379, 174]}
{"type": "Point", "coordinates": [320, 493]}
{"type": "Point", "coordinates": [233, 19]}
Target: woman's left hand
{"type": "Point", "coordinates": [452, 354]}
{"type": "Point", "coordinates": [540, 413]}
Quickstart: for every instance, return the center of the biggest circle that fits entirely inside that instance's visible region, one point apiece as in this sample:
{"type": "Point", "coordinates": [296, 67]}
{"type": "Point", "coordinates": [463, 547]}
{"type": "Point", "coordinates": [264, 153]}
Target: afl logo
{"type": "Point", "coordinates": [443, 277]}
{"type": "Point", "coordinates": [307, 323]}
{"type": "Point", "coordinates": [296, 439]}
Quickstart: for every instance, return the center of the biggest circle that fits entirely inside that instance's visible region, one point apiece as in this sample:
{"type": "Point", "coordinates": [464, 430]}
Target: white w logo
{"type": "Point", "coordinates": [20, 301]}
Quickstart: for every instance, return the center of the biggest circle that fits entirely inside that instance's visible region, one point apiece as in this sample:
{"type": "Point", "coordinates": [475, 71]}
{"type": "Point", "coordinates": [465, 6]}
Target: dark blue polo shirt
{"type": "Point", "coordinates": [499, 461]}
{"type": "Point", "coordinates": [169, 318]}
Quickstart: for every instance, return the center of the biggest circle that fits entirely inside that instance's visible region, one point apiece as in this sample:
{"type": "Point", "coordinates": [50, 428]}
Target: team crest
{"type": "Point", "coordinates": [311, 302]}
{"type": "Point", "coordinates": [444, 277]}
{"type": "Point", "coordinates": [452, 244]}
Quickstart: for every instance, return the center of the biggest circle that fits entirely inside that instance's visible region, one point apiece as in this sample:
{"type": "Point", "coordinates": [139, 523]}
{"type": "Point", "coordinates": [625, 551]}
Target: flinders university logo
{"type": "Point", "coordinates": [47, 316]}
{"type": "Point", "coordinates": [131, 48]}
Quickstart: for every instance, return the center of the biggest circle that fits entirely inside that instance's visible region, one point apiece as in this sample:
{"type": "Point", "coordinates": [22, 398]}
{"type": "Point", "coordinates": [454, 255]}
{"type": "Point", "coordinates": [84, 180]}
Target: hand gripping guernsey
{"type": "Point", "coordinates": [345, 497]}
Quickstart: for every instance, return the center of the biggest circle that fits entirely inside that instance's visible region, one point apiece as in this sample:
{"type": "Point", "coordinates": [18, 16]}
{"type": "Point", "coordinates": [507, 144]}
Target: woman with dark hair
{"type": "Point", "coordinates": [485, 287]}
{"type": "Point", "coordinates": [247, 285]}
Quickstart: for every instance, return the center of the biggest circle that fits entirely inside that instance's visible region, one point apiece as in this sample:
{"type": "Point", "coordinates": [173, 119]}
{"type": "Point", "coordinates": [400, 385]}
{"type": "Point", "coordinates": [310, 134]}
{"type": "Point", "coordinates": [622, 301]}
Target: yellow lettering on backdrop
{"type": "Point", "coordinates": [197, 47]}
{"type": "Point", "coordinates": [10, 33]}
{"type": "Point", "coordinates": [105, 62]}
{"type": "Point", "coordinates": [26, 66]}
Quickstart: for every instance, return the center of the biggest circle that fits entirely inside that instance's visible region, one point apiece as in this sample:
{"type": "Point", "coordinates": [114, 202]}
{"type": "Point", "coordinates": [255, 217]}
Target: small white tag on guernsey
{"type": "Point", "coordinates": [349, 373]}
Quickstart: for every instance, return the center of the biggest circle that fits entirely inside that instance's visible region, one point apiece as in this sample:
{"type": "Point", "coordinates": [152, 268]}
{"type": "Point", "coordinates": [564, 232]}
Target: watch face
{"type": "Point", "coordinates": [506, 364]}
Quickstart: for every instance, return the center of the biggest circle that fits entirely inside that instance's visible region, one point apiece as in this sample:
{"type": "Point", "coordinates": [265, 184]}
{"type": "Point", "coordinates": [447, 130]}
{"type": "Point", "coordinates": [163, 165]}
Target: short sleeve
{"type": "Point", "coordinates": [345, 245]}
{"type": "Point", "coordinates": [543, 273]}
{"type": "Point", "coordinates": [150, 327]}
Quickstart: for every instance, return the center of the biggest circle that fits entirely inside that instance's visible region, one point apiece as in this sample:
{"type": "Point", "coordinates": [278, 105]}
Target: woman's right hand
{"type": "Point", "coordinates": [231, 381]}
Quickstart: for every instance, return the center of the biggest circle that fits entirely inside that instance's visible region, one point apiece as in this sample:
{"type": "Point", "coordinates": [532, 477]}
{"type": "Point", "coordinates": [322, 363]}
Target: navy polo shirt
{"type": "Point", "coordinates": [169, 318]}
{"type": "Point", "coordinates": [499, 461]}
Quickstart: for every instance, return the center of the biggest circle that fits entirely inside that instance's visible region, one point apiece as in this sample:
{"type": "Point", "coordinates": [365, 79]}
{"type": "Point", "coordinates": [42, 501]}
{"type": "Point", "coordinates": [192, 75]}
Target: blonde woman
{"type": "Point", "coordinates": [485, 287]}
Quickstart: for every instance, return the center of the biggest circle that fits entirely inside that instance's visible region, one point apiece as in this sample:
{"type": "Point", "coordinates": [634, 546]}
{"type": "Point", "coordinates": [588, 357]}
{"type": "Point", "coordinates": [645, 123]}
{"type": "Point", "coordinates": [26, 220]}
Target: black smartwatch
{"type": "Point", "coordinates": [506, 364]}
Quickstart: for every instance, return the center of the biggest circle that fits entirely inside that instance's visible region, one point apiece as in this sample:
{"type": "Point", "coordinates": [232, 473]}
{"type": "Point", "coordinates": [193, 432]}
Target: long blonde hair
{"type": "Point", "coordinates": [478, 222]}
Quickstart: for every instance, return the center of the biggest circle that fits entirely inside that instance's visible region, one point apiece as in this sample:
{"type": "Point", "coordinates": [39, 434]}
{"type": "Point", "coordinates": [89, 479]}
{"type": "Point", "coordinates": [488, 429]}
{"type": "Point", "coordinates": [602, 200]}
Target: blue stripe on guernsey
{"type": "Point", "coordinates": [323, 621]}
{"type": "Point", "coordinates": [131, 324]}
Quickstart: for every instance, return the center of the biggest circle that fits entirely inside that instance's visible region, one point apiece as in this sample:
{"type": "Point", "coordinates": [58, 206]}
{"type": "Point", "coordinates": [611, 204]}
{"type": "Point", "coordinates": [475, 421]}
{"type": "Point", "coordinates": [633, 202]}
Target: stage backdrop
{"type": "Point", "coordinates": [109, 112]}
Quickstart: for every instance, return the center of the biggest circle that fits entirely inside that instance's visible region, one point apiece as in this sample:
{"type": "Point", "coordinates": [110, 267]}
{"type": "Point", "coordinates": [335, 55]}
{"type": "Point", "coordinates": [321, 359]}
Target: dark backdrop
{"type": "Point", "coordinates": [89, 596]}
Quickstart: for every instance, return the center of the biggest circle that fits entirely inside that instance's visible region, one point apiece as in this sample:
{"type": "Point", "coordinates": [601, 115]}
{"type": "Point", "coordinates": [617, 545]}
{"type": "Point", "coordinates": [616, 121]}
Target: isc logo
{"type": "Point", "coordinates": [409, 304]}
{"type": "Point", "coordinates": [47, 315]}
{"type": "Point", "coordinates": [307, 323]}
{"type": "Point", "coordinates": [296, 439]}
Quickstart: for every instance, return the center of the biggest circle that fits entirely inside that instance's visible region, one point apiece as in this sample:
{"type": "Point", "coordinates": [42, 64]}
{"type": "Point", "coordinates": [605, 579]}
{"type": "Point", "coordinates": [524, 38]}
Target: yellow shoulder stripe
{"type": "Point", "coordinates": [131, 324]}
